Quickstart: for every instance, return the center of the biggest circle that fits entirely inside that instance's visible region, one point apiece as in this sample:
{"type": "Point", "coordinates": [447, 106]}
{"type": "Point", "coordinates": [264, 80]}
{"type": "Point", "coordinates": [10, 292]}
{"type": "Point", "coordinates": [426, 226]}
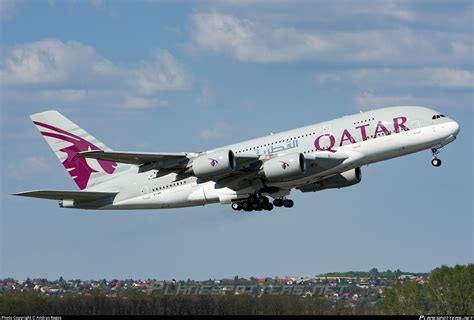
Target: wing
{"type": "Point", "coordinates": [67, 195]}
{"type": "Point", "coordinates": [159, 160]}
{"type": "Point", "coordinates": [162, 160]}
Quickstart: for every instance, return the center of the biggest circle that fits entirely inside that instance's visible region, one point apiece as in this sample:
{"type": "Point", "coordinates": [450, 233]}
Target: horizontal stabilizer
{"type": "Point", "coordinates": [67, 195]}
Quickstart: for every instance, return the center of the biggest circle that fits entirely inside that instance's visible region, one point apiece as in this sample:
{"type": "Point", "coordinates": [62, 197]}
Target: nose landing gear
{"type": "Point", "coordinates": [435, 161]}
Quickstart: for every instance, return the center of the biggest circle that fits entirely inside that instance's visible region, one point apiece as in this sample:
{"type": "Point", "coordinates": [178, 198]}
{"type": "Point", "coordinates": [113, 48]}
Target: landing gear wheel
{"type": "Point", "coordinates": [236, 206]}
{"type": "Point", "coordinates": [246, 206]}
{"type": "Point", "coordinates": [436, 162]}
{"type": "Point", "coordinates": [287, 203]}
{"type": "Point", "coordinates": [267, 206]}
{"type": "Point", "coordinates": [252, 199]}
{"type": "Point", "coordinates": [255, 206]}
{"type": "Point", "coordinates": [262, 200]}
{"type": "Point", "coordinates": [278, 203]}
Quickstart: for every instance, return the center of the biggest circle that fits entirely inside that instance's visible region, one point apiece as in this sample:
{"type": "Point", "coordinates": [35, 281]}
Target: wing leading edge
{"type": "Point", "coordinates": [134, 157]}
{"type": "Point", "coordinates": [162, 160]}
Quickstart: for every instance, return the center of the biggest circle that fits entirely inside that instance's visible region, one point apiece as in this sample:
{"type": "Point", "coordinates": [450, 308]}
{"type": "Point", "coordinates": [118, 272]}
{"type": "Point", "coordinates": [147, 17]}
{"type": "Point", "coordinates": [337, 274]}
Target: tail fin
{"type": "Point", "coordinates": [67, 139]}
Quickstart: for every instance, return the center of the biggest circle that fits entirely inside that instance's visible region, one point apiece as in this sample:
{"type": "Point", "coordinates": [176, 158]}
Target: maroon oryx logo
{"type": "Point", "coordinates": [284, 165]}
{"type": "Point", "coordinates": [214, 162]}
{"type": "Point", "coordinates": [77, 167]}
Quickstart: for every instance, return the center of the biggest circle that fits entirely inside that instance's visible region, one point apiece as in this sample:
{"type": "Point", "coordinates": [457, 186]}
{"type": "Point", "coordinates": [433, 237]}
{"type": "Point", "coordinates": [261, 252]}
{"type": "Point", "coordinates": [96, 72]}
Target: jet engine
{"type": "Point", "coordinates": [285, 167]}
{"type": "Point", "coordinates": [214, 164]}
{"type": "Point", "coordinates": [341, 180]}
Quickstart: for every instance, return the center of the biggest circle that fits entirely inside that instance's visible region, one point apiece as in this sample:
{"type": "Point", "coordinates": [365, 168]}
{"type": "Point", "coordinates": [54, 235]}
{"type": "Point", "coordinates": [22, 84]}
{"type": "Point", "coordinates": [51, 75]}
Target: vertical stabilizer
{"type": "Point", "coordinates": [67, 139]}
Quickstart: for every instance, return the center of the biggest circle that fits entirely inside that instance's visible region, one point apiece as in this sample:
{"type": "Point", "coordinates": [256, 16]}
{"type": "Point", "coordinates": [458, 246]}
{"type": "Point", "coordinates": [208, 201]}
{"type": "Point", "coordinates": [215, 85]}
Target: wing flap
{"type": "Point", "coordinates": [67, 195]}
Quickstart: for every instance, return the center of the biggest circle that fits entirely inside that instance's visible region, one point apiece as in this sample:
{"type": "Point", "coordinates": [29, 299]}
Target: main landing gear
{"type": "Point", "coordinates": [435, 161]}
{"type": "Point", "coordinates": [254, 203]}
{"type": "Point", "coordinates": [287, 203]}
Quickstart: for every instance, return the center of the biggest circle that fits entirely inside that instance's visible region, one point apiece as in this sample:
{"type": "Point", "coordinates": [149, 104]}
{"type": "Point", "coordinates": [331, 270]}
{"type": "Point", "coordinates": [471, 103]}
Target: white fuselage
{"type": "Point", "coordinates": [366, 138]}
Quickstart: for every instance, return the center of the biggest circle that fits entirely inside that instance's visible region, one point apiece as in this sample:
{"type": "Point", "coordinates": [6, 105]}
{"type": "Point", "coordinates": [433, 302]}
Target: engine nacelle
{"type": "Point", "coordinates": [214, 164]}
{"type": "Point", "coordinates": [342, 180]}
{"type": "Point", "coordinates": [285, 167]}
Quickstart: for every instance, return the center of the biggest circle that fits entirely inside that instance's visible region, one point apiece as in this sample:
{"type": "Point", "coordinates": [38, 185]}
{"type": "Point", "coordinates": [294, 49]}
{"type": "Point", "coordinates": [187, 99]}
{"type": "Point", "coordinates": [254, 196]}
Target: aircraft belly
{"type": "Point", "coordinates": [173, 198]}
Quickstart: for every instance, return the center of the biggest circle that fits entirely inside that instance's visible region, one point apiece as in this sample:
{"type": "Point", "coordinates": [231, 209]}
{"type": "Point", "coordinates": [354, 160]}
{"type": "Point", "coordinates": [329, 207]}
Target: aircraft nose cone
{"type": "Point", "coordinates": [456, 128]}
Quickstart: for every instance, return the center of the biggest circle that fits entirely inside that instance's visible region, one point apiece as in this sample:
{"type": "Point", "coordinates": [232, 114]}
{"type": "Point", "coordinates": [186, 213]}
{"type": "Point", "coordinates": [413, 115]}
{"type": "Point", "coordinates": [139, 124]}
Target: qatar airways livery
{"type": "Point", "coordinates": [313, 158]}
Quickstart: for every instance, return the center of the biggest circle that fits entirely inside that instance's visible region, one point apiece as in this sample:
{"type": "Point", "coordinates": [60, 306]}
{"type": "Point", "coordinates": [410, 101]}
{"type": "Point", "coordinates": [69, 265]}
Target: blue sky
{"type": "Point", "coordinates": [189, 76]}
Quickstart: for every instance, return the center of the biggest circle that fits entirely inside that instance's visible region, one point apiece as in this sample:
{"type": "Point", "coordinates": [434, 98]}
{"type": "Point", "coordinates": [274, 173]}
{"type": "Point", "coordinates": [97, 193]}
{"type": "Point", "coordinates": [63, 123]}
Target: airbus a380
{"type": "Point", "coordinates": [312, 158]}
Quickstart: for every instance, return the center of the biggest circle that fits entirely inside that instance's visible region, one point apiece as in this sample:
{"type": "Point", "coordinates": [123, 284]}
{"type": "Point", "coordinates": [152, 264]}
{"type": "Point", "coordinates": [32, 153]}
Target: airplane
{"type": "Point", "coordinates": [246, 175]}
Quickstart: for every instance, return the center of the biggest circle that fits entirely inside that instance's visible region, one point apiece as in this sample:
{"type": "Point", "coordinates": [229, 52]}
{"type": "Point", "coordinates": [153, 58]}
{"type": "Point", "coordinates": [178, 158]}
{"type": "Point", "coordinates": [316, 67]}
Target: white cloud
{"type": "Point", "coordinates": [32, 165]}
{"type": "Point", "coordinates": [143, 103]}
{"type": "Point", "coordinates": [369, 100]}
{"type": "Point", "coordinates": [71, 72]}
{"type": "Point", "coordinates": [97, 3]}
{"type": "Point", "coordinates": [386, 8]}
{"type": "Point", "coordinates": [446, 78]}
{"type": "Point", "coordinates": [352, 15]}
{"type": "Point", "coordinates": [205, 97]}
{"type": "Point", "coordinates": [250, 2]}
{"type": "Point", "coordinates": [218, 131]}
{"type": "Point", "coordinates": [7, 9]}
{"type": "Point", "coordinates": [52, 61]}
{"type": "Point", "coordinates": [163, 73]}
{"type": "Point", "coordinates": [251, 41]}
{"type": "Point", "coordinates": [64, 95]}
{"type": "Point", "coordinates": [247, 41]}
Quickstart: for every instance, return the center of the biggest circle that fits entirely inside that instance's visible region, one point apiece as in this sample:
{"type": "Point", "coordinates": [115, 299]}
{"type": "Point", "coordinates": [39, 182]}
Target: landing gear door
{"type": "Point", "coordinates": [416, 126]}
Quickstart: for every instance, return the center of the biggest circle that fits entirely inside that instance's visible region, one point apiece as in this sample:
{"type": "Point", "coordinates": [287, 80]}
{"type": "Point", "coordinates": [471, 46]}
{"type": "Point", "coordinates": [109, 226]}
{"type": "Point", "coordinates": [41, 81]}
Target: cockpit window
{"type": "Point", "coordinates": [437, 116]}
{"type": "Point", "coordinates": [442, 116]}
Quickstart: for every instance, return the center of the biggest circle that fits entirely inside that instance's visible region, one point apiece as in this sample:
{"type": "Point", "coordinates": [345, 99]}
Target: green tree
{"type": "Point", "coordinates": [447, 291]}
{"type": "Point", "coordinates": [451, 290]}
{"type": "Point", "coordinates": [404, 299]}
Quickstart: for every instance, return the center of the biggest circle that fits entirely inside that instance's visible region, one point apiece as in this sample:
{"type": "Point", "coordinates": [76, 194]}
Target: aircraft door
{"type": "Point", "coordinates": [416, 126]}
{"type": "Point", "coordinates": [357, 143]}
{"type": "Point", "coordinates": [145, 193]}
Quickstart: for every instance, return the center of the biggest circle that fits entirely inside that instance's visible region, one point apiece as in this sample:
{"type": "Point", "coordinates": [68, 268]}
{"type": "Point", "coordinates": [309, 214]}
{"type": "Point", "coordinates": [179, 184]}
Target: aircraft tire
{"type": "Point", "coordinates": [287, 203]}
{"type": "Point", "coordinates": [436, 162]}
{"type": "Point", "coordinates": [278, 203]}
